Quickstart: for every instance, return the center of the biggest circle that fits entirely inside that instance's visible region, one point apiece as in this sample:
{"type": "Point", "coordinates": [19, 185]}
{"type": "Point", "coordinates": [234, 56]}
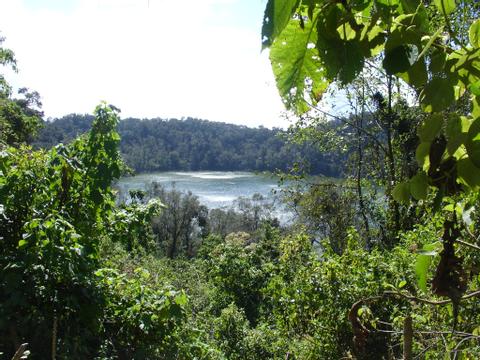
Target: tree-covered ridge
{"type": "Point", "coordinates": [192, 144]}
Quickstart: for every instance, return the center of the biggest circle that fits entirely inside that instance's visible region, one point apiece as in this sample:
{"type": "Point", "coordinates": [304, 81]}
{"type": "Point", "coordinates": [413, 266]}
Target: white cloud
{"type": "Point", "coordinates": [148, 57]}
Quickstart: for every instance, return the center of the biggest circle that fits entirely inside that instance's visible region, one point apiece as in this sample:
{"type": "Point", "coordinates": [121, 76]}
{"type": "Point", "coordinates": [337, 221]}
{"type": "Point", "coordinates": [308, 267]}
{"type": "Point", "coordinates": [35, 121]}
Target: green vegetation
{"type": "Point", "coordinates": [381, 265]}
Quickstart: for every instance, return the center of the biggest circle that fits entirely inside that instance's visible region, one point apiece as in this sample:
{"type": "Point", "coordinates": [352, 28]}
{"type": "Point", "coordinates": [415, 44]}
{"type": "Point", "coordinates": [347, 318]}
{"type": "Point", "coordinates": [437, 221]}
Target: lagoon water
{"type": "Point", "coordinates": [214, 189]}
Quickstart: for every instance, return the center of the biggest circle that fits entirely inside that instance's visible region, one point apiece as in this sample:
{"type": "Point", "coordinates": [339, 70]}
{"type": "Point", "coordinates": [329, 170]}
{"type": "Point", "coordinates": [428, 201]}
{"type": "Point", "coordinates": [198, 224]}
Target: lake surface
{"type": "Point", "coordinates": [214, 189]}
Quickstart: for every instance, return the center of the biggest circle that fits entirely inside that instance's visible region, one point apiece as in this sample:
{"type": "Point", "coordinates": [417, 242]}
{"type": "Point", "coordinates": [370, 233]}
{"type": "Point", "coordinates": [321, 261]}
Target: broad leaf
{"type": "Point", "coordinates": [445, 6]}
{"type": "Point", "coordinates": [468, 174]}
{"type": "Point", "coordinates": [456, 132]}
{"type": "Point", "coordinates": [474, 34]}
{"type": "Point", "coordinates": [419, 186]}
{"type": "Point", "coordinates": [473, 142]}
{"type": "Point", "coordinates": [422, 155]}
{"type": "Point", "coordinates": [398, 59]}
{"type": "Point", "coordinates": [438, 59]}
{"type": "Point", "coordinates": [430, 128]}
{"type": "Point", "coordinates": [475, 88]}
{"type": "Point", "coordinates": [277, 15]}
{"type": "Point", "coordinates": [437, 95]}
{"type": "Point", "coordinates": [401, 192]}
{"type": "Point", "coordinates": [416, 75]}
{"type": "Point", "coordinates": [423, 261]}
{"type": "Point", "coordinates": [296, 66]}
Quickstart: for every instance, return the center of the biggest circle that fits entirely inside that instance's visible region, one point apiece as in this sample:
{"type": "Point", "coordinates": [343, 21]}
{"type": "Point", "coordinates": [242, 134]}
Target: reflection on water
{"type": "Point", "coordinates": [214, 189]}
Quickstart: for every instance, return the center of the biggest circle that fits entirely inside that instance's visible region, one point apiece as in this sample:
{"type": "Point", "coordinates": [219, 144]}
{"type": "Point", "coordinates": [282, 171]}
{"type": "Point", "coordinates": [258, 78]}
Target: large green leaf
{"type": "Point", "coordinates": [422, 155]}
{"type": "Point", "coordinates": [475, 88]}
{"type": "Point", "coordinates": [416, 75]}
{"type": "Point", "coordinates": [397, 60]}
{"type": "Point", "coordinates": [351, 61]}
{"type": "Point", "coordinates": [445, 6]}
{"type": "Point", "coordinates": [473, 142]}
{"type": "Point", "coordinates": [401, 192]}
{"type": "Point", "coordinates": [437, 95]}
{"type": "Point", "coordinates": [419, 186]}
{"type": "Point", "coordinates": [430, 128]}
{"type": "Point", "coordinates": [476, 107]}
{"type": "Point", "coordinates": [474, 34]}
{"type": "Point", "coordinates": [296, 66]}
{"type": "Point", "coordinates": [423, 261]}
{"type": "Point", "coordinates": [456, 132]}
{"type": "Point", "coordinates": [342, 59]}
{"type": "Point", "coordinates": [468, 174]}
{"type": "Point", "coordinates": [277, 15]}
{"type": "Point", "coordinates": [438, 59]}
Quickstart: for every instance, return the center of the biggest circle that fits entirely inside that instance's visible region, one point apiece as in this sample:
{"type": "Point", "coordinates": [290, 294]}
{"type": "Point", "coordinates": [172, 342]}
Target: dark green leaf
{"type": "Point", "coordinates": [419, 186]}
{"type": "Point", "coordinates": [401, 192]}
{"type": "Point", "coordinates": [437, 61]}
{"type": "Point", "coordinates": [437, 95]}
{"type": "Point", "coordinates": [416, 75]}
{"type": "Point", "coordinates": [397, 60]}
{"type": "Point", "coordinates": [456, 132]}
{"type": "Point", "coordinates": [473, 142]}
{"type": "Point", "coordinates": [468, 174]}
{"type": "Point", "coordinates": [430, 128]}
{"type": "Point", "coordinates": [277, 15]}
{"type": "Point", "coordinates": [422, 155]}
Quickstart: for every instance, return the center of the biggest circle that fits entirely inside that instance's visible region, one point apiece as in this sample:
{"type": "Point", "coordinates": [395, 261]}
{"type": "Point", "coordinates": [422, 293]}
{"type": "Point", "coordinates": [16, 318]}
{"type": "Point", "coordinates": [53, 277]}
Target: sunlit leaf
{"type": "Point", "coordinates": [445, 6]}
{"type": "Point", "coordinates": [422, 155]}
{"type": "Point", "coordinates": [474, 34]}
{"type": "Point", "coordinates": [475, 88]}
{"type": "Point", "coordinates": [423, 261]}
{"type": "Point", "coordinates": [277, 15]}
{"type": "Point", "coordinates": [22, 243]}
{"type": "Point", "coordinates": [456, 132]}
{"type": "Point", "coordinates": [296, 66]}
{"type": "Point", "coordinates": [473, 142]}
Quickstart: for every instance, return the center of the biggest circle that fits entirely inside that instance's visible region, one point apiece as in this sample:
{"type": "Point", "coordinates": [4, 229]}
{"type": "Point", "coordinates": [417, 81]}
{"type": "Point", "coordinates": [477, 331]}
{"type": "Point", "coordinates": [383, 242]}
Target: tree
{"type": "Point", "coordinates": [315, 43]}
{"type": "Point", "coordinates": [178, 229]}
{"type": "Point", "coordinates": [20, 118]}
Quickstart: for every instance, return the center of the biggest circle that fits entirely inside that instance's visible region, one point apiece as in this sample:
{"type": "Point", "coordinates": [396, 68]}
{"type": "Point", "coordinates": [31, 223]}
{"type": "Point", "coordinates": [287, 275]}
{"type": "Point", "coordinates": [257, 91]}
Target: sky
{"type": "Point", "coordinates": [150, 58]}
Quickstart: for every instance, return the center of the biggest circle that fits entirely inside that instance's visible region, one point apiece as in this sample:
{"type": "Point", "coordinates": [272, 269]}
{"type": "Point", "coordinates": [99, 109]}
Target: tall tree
{"type": "Point", "coordinates": [20, 118]}
{"type": "Point", "coordinates": [315, 43]}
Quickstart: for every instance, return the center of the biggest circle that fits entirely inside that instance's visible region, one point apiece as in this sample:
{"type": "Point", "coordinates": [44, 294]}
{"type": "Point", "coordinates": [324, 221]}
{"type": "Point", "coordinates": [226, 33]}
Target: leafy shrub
{"type": "Point", "coordinates": [139, 321]}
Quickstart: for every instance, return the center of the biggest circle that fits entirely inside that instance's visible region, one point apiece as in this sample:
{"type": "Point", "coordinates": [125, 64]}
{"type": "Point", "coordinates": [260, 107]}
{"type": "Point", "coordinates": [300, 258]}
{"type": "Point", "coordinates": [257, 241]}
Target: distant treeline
{"type": "Point", "coordinates": [191, 145]}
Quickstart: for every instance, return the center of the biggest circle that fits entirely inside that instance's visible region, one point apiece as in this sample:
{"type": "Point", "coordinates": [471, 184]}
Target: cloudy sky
{"type": "Point", "coordinates": [150, 58]}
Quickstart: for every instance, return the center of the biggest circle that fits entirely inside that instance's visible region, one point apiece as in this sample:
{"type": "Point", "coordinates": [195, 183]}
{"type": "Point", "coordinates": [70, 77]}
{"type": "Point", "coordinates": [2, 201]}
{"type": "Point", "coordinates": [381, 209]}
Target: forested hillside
{"type": "Point", "coordinates": [192, 144]}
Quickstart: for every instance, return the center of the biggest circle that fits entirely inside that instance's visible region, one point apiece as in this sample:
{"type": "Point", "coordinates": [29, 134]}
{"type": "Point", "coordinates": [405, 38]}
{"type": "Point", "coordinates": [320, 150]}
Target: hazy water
{"type": "Point", "coordinates": [214, 189]}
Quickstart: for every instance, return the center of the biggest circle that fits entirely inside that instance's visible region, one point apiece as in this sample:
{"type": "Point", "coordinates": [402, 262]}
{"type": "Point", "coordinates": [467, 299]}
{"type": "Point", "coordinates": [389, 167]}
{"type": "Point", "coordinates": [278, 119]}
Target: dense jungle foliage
{"type": "Point", "coordinates": [384, 264]}
{"type": "Point", "coordinates": [192, 145]}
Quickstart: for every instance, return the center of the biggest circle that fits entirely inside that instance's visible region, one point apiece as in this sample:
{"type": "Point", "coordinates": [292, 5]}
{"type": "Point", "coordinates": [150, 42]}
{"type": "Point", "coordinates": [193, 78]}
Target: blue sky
{"type": "Point", "coordinates": [199, 58]}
